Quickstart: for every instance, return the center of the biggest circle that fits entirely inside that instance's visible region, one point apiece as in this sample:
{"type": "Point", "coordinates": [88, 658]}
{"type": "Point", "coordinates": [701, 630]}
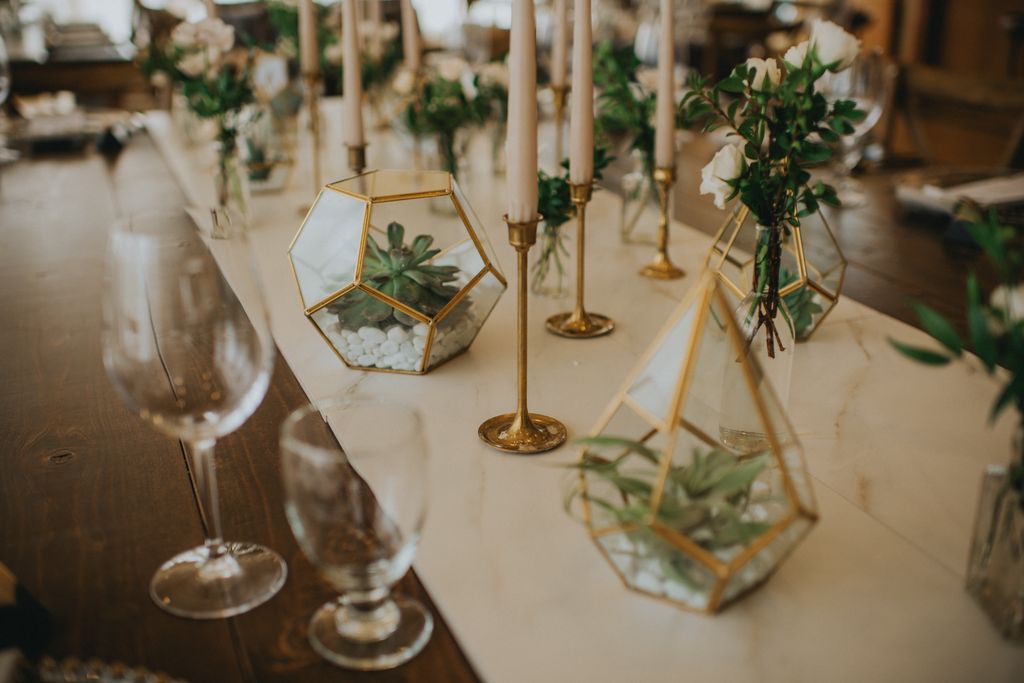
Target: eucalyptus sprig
{"type": "Point", "coordinates": [996, 327]}
{"type": "Point", "coordinates": [554, 203]}
{"type": "Point", "coordinates": [783, 128]}
{"type": "Point", "coordinates": [707, 500]}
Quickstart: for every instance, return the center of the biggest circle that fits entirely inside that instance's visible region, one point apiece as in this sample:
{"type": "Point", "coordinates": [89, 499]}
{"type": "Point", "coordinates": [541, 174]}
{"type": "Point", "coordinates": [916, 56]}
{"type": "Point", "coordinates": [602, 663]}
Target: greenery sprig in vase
{"type": "Point", "coordinates": [554, 203]}
{"type": "Point", "coordinates": [215, 76]}
{"type": "Point", "coordinates": [784, 127]}
{"type": "Point", "coordinates": [996, 335]}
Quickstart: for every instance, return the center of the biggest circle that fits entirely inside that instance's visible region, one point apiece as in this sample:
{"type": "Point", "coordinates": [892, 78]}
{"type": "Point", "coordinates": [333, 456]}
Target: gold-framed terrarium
{"type": "Point", "coordinates": [389, 280]}
{"type": "Point", "coordinates": [812, 271]}
{"type": "Point", "coordinates": [682, 509]}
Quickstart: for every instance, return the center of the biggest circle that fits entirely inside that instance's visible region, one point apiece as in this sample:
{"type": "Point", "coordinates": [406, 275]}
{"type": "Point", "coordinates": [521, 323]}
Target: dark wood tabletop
{"type": "Point", "coordinates": [92, 500]}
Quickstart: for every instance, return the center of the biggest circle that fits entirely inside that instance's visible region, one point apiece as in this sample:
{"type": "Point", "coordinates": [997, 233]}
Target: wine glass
{"type": "Point", "coordinates": [187, 357]}
{"type": "Point", "coordinates": [864, 82]}
{"type": "Point", "coordinates": [356, 496]}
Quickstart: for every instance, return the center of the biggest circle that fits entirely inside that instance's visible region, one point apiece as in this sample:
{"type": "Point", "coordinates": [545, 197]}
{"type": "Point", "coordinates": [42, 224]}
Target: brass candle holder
{"type": "Point", "coordinates": [313, 106]}
{"type": "Point", "coordinates": [357, 158]}
{"type": "Point", "coordinates": [522, 432]}
{"type": "Point", "coordinates": [579, 324]}
{"type": "Point", "coordinates": [560, 92]}
{"type": "Point", "coordinates": [662, 268]}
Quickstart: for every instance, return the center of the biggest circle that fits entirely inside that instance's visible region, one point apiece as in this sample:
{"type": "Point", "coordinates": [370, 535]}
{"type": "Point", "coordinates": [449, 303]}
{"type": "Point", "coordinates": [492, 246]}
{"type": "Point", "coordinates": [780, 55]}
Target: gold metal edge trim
{"type": "Point", "coordinates": [331, 298]}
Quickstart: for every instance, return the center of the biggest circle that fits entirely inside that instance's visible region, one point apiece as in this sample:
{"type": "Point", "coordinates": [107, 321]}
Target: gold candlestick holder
{"type": "Point", "coordinates": [560, 92]}
{"type": "Point", "coordinates": [357, 158]}
{"type": "Point", "coordinates": [662, 268]}
{"type": "Point", "coordinates": [579, 324]}
{"type": "Point", "coordinates": [313, 107]}
{"type": "Point", "coordinates": [522, 432]}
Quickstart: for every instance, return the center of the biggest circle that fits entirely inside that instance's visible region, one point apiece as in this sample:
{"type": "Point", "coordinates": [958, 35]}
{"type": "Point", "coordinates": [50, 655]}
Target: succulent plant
{"type": "Point", "coordinates": [402, 272]}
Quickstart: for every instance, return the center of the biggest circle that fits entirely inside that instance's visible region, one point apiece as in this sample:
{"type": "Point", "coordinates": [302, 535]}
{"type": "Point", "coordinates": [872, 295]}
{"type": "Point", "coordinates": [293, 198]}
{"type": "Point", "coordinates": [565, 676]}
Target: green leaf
{"type": "Point", "coordinates": [920, 355]}
{"type": "Point", "coordinates": [982, 341]}
{"type": "Point", "coordinates": [732, 84]}
{"type": "Point", "coordinates": [939, 328]}
{"type": "Point", "coordinates": [627, 444]}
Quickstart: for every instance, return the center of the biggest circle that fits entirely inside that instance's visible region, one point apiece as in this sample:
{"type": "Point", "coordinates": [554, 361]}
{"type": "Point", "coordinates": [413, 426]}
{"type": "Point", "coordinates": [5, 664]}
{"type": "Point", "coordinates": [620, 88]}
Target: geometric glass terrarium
{"type": "Point", "coordinates": [395, 270]}
{"type": "Point", "coordinates": [677, 513]}
{"type": "Point", "coordinates": [812, 268]}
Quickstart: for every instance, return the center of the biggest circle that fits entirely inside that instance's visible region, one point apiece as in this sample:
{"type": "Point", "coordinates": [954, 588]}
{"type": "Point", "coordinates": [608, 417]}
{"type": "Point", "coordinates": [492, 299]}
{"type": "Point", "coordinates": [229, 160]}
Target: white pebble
{"type": "Point", "coordinates": [352, 337]}
{"type": "Point", "coordinates": [366, 361]}
{"type": "Point", "coordinates": [389, 347]}
{"type": "Point", "coordinates": [397, 334]}
{"type": "Point", "coordinates": [418, 343]}
{"type": "Point", "coordinates": [408, 349]}
{"type": "Point", "coordinates": [355, 350]}
{"type": "Point", "coordinates": [420, 330]}
{"type": "Point", "coordinates": [372, 334]}
{"type": "Point", "coordinates": [382, 363]}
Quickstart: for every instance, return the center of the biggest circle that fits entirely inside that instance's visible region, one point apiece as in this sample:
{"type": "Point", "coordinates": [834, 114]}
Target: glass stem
{"type": "Point", "coordinates": [204, 471]}
{"type": "Point", "coordinates": [367, 619]}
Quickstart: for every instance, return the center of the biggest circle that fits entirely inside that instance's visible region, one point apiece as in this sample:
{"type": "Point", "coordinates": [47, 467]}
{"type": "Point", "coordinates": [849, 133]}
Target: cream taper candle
{"type": "Point", "coordinates": [581, 118]}
{"type": "Point", "coordinates": [309, 59]}
{"type": "Point", "coordinates": [521, 143]}
{"type": "Point", "coordinates": [559, 44]}
{"type": "Point", "coordinates": [410, 36]}
{"type": "Point", "coordinates": [665, 111]}
{"type": "Point", "coordinates": [352, 76]}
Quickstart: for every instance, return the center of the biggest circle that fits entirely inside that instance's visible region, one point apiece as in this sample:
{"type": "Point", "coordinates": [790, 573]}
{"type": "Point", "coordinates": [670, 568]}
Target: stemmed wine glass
{"type": "Point", "coordinates": [865, 83]}
{"type": "Point", "coordinates": [187, 357]}
{"type": "Point", "coordinates": [356, 496]}
{"type": "Point", "coordinates": [6, 155]}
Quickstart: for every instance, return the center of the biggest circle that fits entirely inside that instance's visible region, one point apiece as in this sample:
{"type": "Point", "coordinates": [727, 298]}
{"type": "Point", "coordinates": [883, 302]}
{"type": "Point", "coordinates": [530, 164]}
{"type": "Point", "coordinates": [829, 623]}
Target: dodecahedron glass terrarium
{"type": "Point", "coordinates": [679, 514]}
{"type": "Point", "coordinates": [813, 266]}
{"type": "Point", "coordinates": [395, 270]}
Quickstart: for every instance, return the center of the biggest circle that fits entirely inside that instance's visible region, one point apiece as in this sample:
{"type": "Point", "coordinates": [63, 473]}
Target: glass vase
{"type": "Point", "coordinates": [231, 187]}
{"type": "Point", "coordinates": [638, 220]}
{"type": "Point", "coordinates": [268, 151]}
{"type": "Point", "coordinates": [772, 345]}
{"type": "Point", "coordinates": [497, 131]}
{"type": "Point", "coordinates": [548, 275]}
{"type": "Point", "coordinates": [995, 570]}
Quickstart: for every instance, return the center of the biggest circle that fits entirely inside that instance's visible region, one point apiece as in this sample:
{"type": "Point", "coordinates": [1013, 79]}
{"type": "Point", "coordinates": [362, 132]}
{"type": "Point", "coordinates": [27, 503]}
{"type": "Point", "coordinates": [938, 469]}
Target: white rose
{"type": "Point", "coordinates": [269, 75]}
{"type": "Point", "coordinates": [214, 33]}
{"type": "Point", "coordinates": [452, 68]}
{"type": "Point", "coordinates": [494, 74]}
{"type": "Point", "coordinates": [184, 35]}
{"type": "Point", "coordinates": [192, 64]}
{"type": "Point", "coordinates": [334, 53]}
{"type": "Point", "coordinates": [1010, 301]}
{"type": "Point", "coordinates": [835, 47]}
{"type": "Point", "coordinates": [405, 81]}
{"type": "Point", "coordinates": [796, 54]}
{"type": "Point", "coordinates": [764, 69]}
{"type": "Point", "coordinates": [647, 77]}
{"type": "Point", "coordinates": [388, 32]}
{"type": "Point", "coordinates": [726, 165]}
{"type": "Point", "coordinates": [468, 86]}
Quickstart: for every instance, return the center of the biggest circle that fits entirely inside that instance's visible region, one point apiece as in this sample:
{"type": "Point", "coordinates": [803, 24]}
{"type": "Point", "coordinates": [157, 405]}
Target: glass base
{"type": "Point", "coordinates": [412, 626]}
{"type": "Point", "coordinates": [192, 585]}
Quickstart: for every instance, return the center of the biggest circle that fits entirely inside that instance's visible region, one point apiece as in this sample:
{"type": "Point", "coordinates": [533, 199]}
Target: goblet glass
{"type": "Point", "coordinates": [187, 357]}
{"type": "Point", "coordinates": [864, 82]}
{"type": "Point", "coordinates": [355, 485]}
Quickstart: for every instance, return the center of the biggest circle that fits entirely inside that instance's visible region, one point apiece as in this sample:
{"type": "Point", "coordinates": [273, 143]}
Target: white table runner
{"type": "Point", "coordinates": [896, 451]}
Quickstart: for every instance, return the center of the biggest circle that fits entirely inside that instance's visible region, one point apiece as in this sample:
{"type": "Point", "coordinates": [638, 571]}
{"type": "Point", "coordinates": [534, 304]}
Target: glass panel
{"type": "Point", "coordinates": [476, 224]}
{"type": "Point", "coordinates": [650, 564]}
{"type": "Point", "coordinates": [380, 344]}
{"type": "Point", "coordinates": [765, 561]}
{"type": "Point", "coordinates": [382, 184]}
{"type": "Point", "coordinates": [432, 216]}
{"type": "Point", "coordinates": [325, 252]}
{"type": "Point", "coordinates": [654, 388]}
{"type": "Point", "coordinates": [459, 327]}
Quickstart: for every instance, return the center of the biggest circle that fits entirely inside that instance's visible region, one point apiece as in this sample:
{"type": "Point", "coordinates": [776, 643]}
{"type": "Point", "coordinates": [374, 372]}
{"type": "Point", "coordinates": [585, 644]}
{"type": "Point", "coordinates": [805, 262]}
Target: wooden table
{"type": "Point", "coordinates": [92, 500]}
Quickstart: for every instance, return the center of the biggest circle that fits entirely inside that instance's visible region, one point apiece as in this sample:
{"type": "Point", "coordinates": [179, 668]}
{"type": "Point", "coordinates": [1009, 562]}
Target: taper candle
{"type": "Point", "coordinates": [376, 24]}
{"type": "Point", "coordinates": [559, 46]}
{"type": "Point", "coordinates": [521, 143]}
{"type": "Point", "coordinates": [211, 8]}
{"type": "Point", "coordinates": [581, 117]}
{"type": "Point", "coordinates": [352, 76]}
{"type": "Point", "coordinates": [309, 59]}
{"type": "Point", "coordinates": [665, 111]}
{"type": "Point", "coordinates": [410, 36]}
